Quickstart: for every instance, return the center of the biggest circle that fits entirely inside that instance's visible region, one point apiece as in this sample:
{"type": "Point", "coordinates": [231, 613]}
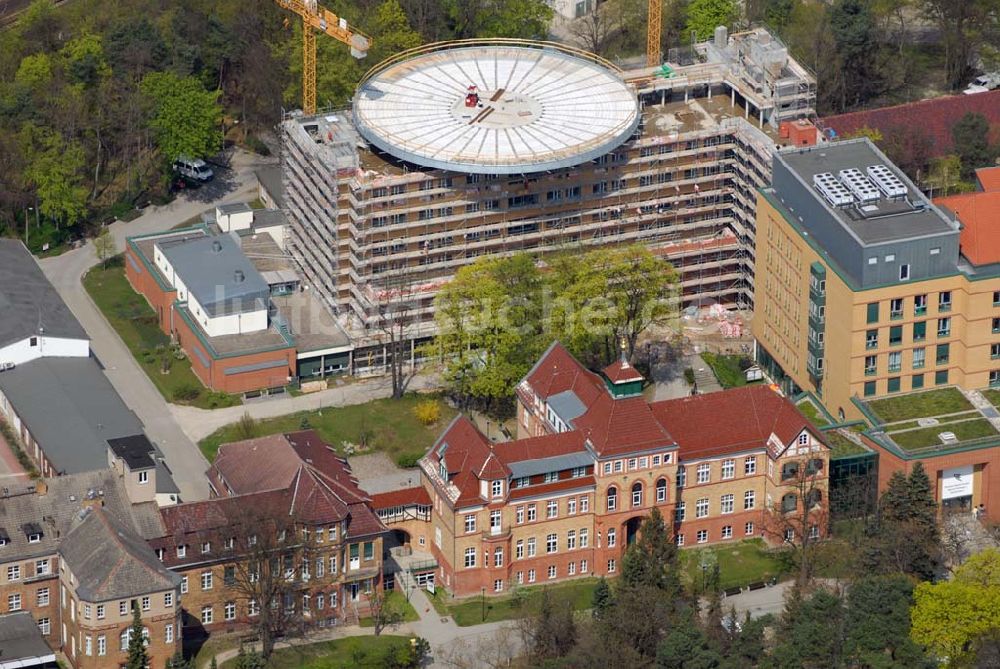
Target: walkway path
{"type": "Point", "coordinates": [12, 474]}
{"type": "Point", "coordinates": [199, 423]}
{"type": "Point", "coordinates": [65, 272]}
{"type": "Point", "coordinates": [704, 377]}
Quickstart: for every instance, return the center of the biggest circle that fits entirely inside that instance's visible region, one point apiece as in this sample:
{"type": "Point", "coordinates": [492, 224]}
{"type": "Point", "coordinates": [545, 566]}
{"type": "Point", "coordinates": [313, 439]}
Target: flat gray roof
{"type": "Point", "coordinates": [891, 220]}
{"type": "Point", "coordinates": [71, 410]}
{"type": "Point", "coordinates": [567, 406]}
{"type": "Point", "coordinates": [22, 642]}
{"type": "Point", "coordinates": [270, 179]}
{"type": "Point", "coordinates": [217, 273]}
{"type": "Point", "coordinates": [28, 300]}
{"type": "Point", "coordinates": [234, 208]}
{"type": "Point", "coordinates": [554, 464]}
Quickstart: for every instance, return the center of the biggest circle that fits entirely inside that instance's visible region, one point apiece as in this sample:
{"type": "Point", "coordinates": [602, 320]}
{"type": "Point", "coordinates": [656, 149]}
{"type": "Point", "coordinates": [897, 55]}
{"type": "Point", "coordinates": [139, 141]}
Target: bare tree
{"type": "Point", "coordinates": [394, 315]}
{"type": "Point", "coordinates": [384, 613]}
{"type": "Point", "coordinates": [800, 517]}
{"type": "Point", "coordinates": [593, 30]}
{"type": "Point", "coordinates": [104, 246]}
{"type": "Point", "coordinates": [266, 574]}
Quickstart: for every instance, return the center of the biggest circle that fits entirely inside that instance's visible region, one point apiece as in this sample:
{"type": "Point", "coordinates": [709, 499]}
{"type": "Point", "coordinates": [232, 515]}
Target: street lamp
{"type": "Point", "coordinates": [484, 603]}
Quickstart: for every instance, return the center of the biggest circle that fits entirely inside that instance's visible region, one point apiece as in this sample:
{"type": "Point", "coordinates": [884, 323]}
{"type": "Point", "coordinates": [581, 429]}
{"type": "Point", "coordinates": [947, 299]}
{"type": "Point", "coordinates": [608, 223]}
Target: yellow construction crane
{"type": "Point", "coordinates": [319, 18]}
{"type": "Point", "coordinates": [653, 27]}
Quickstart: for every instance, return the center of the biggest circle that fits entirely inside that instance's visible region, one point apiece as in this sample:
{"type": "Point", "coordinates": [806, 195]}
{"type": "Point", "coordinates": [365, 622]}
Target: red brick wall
{"type": "Point", "coordinates": [145, 284]}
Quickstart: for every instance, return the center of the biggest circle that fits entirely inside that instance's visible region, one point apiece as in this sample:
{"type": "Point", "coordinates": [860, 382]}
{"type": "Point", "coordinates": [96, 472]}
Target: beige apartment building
{"type": "Point", "coordinates": [451, 152]}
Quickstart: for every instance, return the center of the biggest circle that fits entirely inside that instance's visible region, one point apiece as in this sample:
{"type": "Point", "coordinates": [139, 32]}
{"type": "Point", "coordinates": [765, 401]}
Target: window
{"type": "Point", "coordinates": [370, 550]}
{"type": "Point", "coordinates": [14, 602]}
{"type": "Point", "coordinates": [942, 355]}
{"type": "Point", "coordinates": [100, 611]}
{"type": "Point", "coordinates": [123, 608]}
{"type": "Point", "coordinates": [919, 305]}
{"type": "Point", "coordinates": [618, 466]}
{"type": "Point", "coordinates": [789, 470]}
{"type": "Point", "coordinates": [551, 509]}
{"type": "Point", "coordinates": [145, 605]}
{"type": "Point", "coordinates": [519, 515]}
{"type": "Point", "coordinates": [229, 611]}
{"type": "Point", "coordinates": [168, 601]}
{"type": "Point", "coordinates": [45, 626]}
{"type": "Point", "coordinates": [873, 312]}
{"type": "Point", "coordinates": [584, 537]}
{"type": "Point", "coordinates": [519, 549]}
{"type": "Point", "coordinates": [206, 580]}
{"type": "Point", "coordinates": [893, 384]}
{"type": "Point", "coordinates": [206, 614]}
{"type": "Point", "coordinates": [168, 633]}
{"type": "Point", "coordinates": [920, 331]}
{"type": "Point", "coordinates": [612, 566]}
{"type": "Point", "coordinates": [571, 506]}
{"type": "Point", "coordinates": [680, 512]}
{"type": "Point", "coordinates": [944, 327]}
{"type": "Point", "coordinates": [944, 300]}
{"type": "Point", "coordinates": [727, 503]}
{"type": "Point", "coordinates": [498, 585]}
{"type": "Point", "coordinates": [612, 538]}
{"type": "Point", "coordinates": [871, 339]}
{"type": "Point", "coordinates": [14, 572]}
{"type": "Point", "coordinates": [252, 540]}
{"type": "Point", "coordinates": [904, 271]}
{"type": "Point", "coordinates": [497, 488]}
{"type": "Point", "coordinates": [996, 325]}
{"type": "Point", "coordinates": [704, 472]}
{"type": "Point", "coordinates": [531, 513]}
{"type": "Point", "coordinates": [727, 531]}
{"type": "Point", "coordinates": [632, 464]}
{"type": "Point", "coordinates": [612, 498]}
{"type": "Point", "coordinates": [869, 388]}
{"type": "Point", "coordinates": [895, 335]}
{"type": "Point", "coordinates": [919, 357]}
{"type": "Point", "coordinates": [531, 547]}
{"type": "Point", "coordinates": [552, 571]}
{"type": "Point", "coordinates": [728, 469]}
{"type": "Point", "coordinates": [661, 490]}
{"type": "Point", "coordinates": [803, 439]}
{"type": "Point", "coordinates": [253, 609]}
{"type": "Point", "coordinates": [941, 377]}
{"type": "Point", "coordinates": [702, 536]}
{"type": "Point", "coordinates": [896, 308]}
{"type": "Point", "coordinates": [498, 556]}
{"type": "Point", "coordinates": [994, 378]}
{"type": "Point", "coordinates": [470, 523]}
{"type": "Point", "coordinates": [680, 539]}
{"type": "Point", "coordinates": [571, 540]}
{"type": "Point", "coordinates": [571, 568]}
{"type": "Point", "coordinates": [871, 365]}
{"type": "Point", "coordinates": [42, 597]}
{"type": "Point", "coordinates": [917, 381]}
{"type": "Point", "coordinates": [470, 557]}
{"type": "Point", "coordinates": [531, 576]}
{"type": "Point", "coordinates": [701, 508]}
{"type": "Point", "coordinates": [584, 504]}
{"type": "Point", "coordinates": [681, 476]}
{"type": "Point", "coordinates": [748, 529]}
{"type": "Point", "coordinates": [895, 361]}
{"type": "Point", "coordinates": [551, 543]}
{"type": "Point", "coordinates": [995, 351]}
{"type": "Point", "coordinates": [814, 531]}
{"type": "Point", "coordinates": [750, 465]}
{"type": "Point", "coordinates": [749, 500]}
{"type": "Point", "coordinates": [788, 503]}
{"type": "Point", "coordinates": [636, 494]}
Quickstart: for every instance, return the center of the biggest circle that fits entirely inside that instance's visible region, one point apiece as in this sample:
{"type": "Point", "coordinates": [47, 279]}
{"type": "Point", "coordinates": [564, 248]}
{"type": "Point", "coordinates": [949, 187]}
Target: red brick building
{"type": "Point", "coordinates": [592, 461]}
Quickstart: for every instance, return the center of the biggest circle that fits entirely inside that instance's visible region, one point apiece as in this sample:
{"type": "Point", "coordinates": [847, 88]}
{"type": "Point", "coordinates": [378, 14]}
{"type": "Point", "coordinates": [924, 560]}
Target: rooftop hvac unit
{"type": "Point", "coordinates": [887, 182]}
{"type": "Point", "coordinates": [834, 191]}
{"type": "Point", "coordinates": [856, 182]}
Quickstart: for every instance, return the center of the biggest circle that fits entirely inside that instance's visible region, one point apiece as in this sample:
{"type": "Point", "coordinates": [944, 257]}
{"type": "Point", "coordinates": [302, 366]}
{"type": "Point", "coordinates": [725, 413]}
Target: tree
{"type": "Point", "coordinates": [185, 118]}
{"type": "Point", "coordinates": [393, 318]}
{"type": "Point", "coordinates": [877, 625]}
{"type": "Point", "coordinates": [137, 656]}
{"type": "Point", "coordinates": [945, 175]}
{"type": "Point", "coordinates": [54, 167]}
{"type": "Point", "coordinates": [104, 246]}
{"type": "Point", "coordinates": [858, 52]}
{"type": "Point", "coordinates": [964, 27]}
{"type": "Point", "coordinates": [594, 30]}
{"type": "Point", "coordinates": [550, 634]}
{"type": "Point", "coordinates": [686, 646]}
{"type": "Point", "coordinates": [953, 618]}
{"type": "Point", "coordinates": [602, 599]}
{"type": "Point", "coordinates": [383, 612]}
{"type": "Point", "coordinates": [651, 560]}
{"type": "Point", "coordinates": [972, 143]}
{"type": "Point", "coordinates": [800, 516]}
{"type": "Point", "coordinates": [811, 631]}
{"type": "Point", "coordinates": [904, 536]}
{"type": "Point", "coordinates": [524, 19]}
{"type": "Point", "coordinates": [704, 16]}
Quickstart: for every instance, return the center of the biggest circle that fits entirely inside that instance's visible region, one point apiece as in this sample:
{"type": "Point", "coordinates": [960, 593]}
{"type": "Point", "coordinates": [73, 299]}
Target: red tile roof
{"type": "Point", "coordinates": [466, 451]}
{"type": "Point", "coordinates": [989, 178]}
{"type": "Point", "coordinates": [536, 448]}
{"type": "Point", "coordinates": [403, 497]}
{"type": "Point", "coordinates": [558, 371]}
{"type": "Point", "coordinates": [619, 426]}
{"type": "Point", "coordinates": [934, 117]}
{"type": "Point", "coordinates": [980, 217]}
{"type": "Point", "coordinates": [620, 371]}
{"type": "Point", "coordinates": [253, 465]}
{"type": "Point", "coordinates": [730, 421]}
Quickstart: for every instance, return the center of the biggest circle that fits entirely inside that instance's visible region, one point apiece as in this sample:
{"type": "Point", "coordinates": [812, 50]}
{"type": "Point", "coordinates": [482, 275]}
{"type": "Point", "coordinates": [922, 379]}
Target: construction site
{"type": "Point", "coordinates": [453, 151]}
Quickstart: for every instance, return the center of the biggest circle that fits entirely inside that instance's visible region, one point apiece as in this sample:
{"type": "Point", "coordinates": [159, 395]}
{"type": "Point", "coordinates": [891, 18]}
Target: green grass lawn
{"type": "Point", "coordinates": [469, 611]}
{"type": "Point", "coordinates": [920, 405]}
{"type": "Point", "coordinates": [739, 563]}
{"type": "Point", "coordinates": [398, 602]}
{"type": "Point", "coordinates": [912, 424]}
{"type": "Point", "coordinates": [727, 369]}
{"type": "Point", "coordinates": [387, 425]}
{"type": "Point", "coordinates": [992, 395]}
{"type": "Point", "coordinates": [969, 429]}
{"type": "Point", "coordinates": [841, 446]}
{"type": "Point", "coordinates": [809, 410]}
{"type": "Point", "coordinates": [356, 652]}
{"type": "Point", "coordinates": [135, 322]}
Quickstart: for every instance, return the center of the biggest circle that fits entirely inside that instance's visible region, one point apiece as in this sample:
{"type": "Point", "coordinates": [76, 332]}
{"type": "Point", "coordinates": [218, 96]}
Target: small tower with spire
{"type": "Point", "coordinates": [621, 378]}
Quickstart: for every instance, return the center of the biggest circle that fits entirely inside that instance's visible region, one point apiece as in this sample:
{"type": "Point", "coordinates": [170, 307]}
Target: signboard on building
{"type": "Point", "coordinates": [956, 482]}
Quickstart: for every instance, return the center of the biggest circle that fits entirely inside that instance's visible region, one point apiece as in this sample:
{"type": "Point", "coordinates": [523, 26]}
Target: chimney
{"type": "Point", "coordinates": [41, 487]}
{"type": "Point", "coordinates": [94, 499]}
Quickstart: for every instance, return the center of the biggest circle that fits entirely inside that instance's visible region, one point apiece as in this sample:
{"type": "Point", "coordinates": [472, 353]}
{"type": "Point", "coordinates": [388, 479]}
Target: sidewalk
{"type": "Point", "coordinates": [12, 474]}
{"type": "Point", "coordinates": [199, 423]}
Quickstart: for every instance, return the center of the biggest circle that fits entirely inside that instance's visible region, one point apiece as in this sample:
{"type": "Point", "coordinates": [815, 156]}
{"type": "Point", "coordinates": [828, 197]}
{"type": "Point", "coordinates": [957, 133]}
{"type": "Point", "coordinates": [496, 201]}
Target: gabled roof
{"type": "Point", "coordinates": [558, 371]}
{"type": "Point", "coordinates": [538, 448]}
{"type": "Point", "coordinates": [730, 421]}
{"type": "Point", "coordinates": [988, 178]}
{"type": "Point", "coordinates": [110, 561]}
{"type": "Point", "coordinates": [403, 497]}
{"type": "Point", "coordinates": [620, 371]}
{"type": "Point", "coordinates": [28, 300]}
{"type": "Point", "coordinates": [979, 214]}
{"type": "Point", "coordinates": [620, 426]}
{"type": "Point", "coordinates": [933, 117]}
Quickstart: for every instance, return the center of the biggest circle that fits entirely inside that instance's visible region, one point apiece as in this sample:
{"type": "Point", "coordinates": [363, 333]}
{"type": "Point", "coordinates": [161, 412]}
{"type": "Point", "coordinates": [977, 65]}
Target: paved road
{"type": "Point", "coordinates": [65, 271]}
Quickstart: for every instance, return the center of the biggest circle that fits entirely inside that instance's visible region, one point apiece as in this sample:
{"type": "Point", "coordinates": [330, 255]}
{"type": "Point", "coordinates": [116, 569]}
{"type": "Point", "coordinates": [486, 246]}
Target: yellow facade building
{"type": "Point", "coordinates": [863, 286]}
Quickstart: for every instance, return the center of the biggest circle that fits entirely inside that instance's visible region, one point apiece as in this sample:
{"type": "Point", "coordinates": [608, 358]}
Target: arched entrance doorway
{"type": "Point", "coordinates": [632, 529]}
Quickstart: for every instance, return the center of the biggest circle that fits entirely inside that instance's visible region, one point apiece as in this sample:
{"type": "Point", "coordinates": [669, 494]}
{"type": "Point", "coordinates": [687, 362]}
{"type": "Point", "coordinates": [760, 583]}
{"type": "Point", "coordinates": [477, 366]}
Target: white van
{"type": "Point", "coordinates": [195, 169]}
{"type": "Point", "coordinates": [981, 84]}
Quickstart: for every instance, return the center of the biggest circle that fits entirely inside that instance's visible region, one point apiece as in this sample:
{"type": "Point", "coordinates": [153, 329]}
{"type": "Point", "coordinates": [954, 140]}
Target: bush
{"type": "Point", "coordinates": [408, 460]}
{"type": "Point", "coordinates": [256, 145]}
{"type": "Point", "coordinates": [186, 392]}
{"type": "Point", "coordinates": [427, 412]}
{"type": "Point", "coordinates": [304, 423]}
{"type": "Point", "coordinates": [689, 376]}
{"type": "Point", "coordinates": [247, 427]}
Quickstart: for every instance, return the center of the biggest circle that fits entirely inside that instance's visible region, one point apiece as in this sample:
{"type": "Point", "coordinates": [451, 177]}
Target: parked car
{"type": "Point", "coordinates": [983, 83]}
{"type": "Point", "coordinates": [195, 169]}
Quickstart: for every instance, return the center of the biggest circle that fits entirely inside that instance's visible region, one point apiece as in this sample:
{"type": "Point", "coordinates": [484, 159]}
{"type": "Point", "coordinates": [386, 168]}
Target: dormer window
{"type": "Point", "coordinates": [443, 471]}
{"type": "Point", "coordinates": [143, 478]}
{"type": "Point", "coordinates": [496, 489]}
{"type": "Point", "coordinates": [551, 477]}
{"type": "Point", "coordinates": [182, 551]}
{"type": "Point", "coordinates": [33, 532]}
